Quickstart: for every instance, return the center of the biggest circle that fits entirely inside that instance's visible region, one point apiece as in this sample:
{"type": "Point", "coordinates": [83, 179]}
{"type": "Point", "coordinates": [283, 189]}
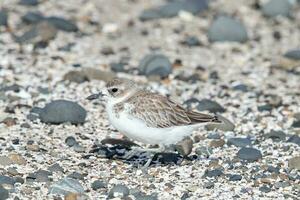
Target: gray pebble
{"type": "Point", "coordinates": [209, 105]}
{"type": "Point", "coordinates": [39, 176]}
{"type": "Point", "coordinates": [6, 180]}
{"type": "Point", "coordinates": [155, 64]}
{"type": "Point", "coordinates": [214, 135]}
{"type": "Point", "coordinates": [213, 173]}
{"type": "Point", "coordinates": [66, 186]}
{"type": "Point", "coordinates": [70, 141]}
{"type": "Point", "coordinates": [78, 148]}
{"type": "Point", "coordinates": [3, 193]}
{"type": "Point", "coordinates": [225, 28]}
{"type": "Point", "coordinates": [118, 191]}
{"type": "Point", "coordinates": [294, 163]}
{"type": "Point", "coordinates": [204, 151]}
{"type": "Point", "coordinates": [55, 168]}
{"type": "Point", "coordinates": [29, 2]}
{"type": "Point", "coordinates": [117, 67]}
{"type": "Point", "coordinates": [239, 142]}
{"type": "Point", "coordinates": [75, 76]}
{"type": "Point", "coordinates": [265, 189]}
{"type": "Point", "coordinates": [274, 8]}
{"type": "Point", "coordinates": [60, 111]}
{"type": "Point", "coordinates": [191, 41]}
{"type": "Point", "coordinates": [98, 184]}
{"type": "Point", "coordinates": [296, 124]}
{"type": "Point", "coordinates": [293, 54]}
{"type": "Point", "coordinates": [32, 17]}
{"type": "Point", "coordinates": [62, 24]}
{"type": "Point", "coordinates": [294, 139]}
{"type": "Point", "coordinates": [284, 184]}
{"type": "Point", "coordinates": [276, 135]}
{"type": "Point", "coordinates": [208, 185]}
{"type": "Point", "coordinates": [249, 154]}
{"type": "Point", "coordinates": [3, 18]}
{"type": "Point", "coordinates": [235, 177]}
{"type": "Point", "coordinates": [76, 175]}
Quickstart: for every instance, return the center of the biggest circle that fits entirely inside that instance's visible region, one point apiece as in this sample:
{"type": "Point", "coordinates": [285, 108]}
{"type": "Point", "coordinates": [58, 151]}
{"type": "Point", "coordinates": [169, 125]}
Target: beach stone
{"type": "Point", "coordinates": [39, 176]}
{"type": "Point", "coordinates": [296, 124]}
{"type": "Point", "coordinates": [76, 175]}
{"type": "Point", "coordinates": [191, 41]}
{"type": "Point", "coordinates": [118, 191]}
{"type": "Point", "coordinates": [293, 54]}
{"type": "Point", "coordinates": [225, 28]}
{"type": "Point", "coordinates": [66, 186]}
{"type": "Point", "coordinates": [235, 177]}
{"type": "Point", "coordinates": [294, 139]}
{"type": "Point", "coordinates": [3, 17]}
{"type": "Point", "coordinates": [239, 142]}
{"type": "Point", "coordinates": [7, 180]}
{"type": "Point", "coordinates": [284, 184]}
{"type": "Point", "coordinates": [249, 154]}
{"type": "Point", "coordinates": [117, 67]}
{"type": "Point", "coordinates": [78, 148]}
{"type": "Point", "coordinates": [155, 64]}
{"type": "Point", "coordinates": [266, 107]}
{"type": "Point", "coordinates": [294, 163]}
{"type": "Point", "coordinates": [208, 185]}
{"type": "Point", "coordinates": [276, 135]}
{"type": "Point", "coordinates": [76, 76]}
{"type": "Point", "coordinates": [60, 111]}
{"type": "Point", "coordinates": [226, 125]}
{"type": "Point", "coordinates": [55, 168]}
{"type": "Point", "coordinates": [17, 159]}
{"type": "Point", "coordinates": [213, 173]}
{"type": "Point", "coordinates": [217, 143]}
{"type": "Point", "coordinates": [172, 9]}
{"type": "Point", "coordinates": [209, 105]}
{"type": "Point", "coordinates": [4, 161]}
{"type": "Point", "coordinates": [70, 141]}
{"type": "Point", "coordinates": [274, 8]}
{"type": "Point", "coordinates": [185, 146]}
{"type": "Point", "coordinates": [32, 17]}
{"type": "Point", "coordinates": [241, 87]}
{"type": "Point", "coordinates": [62, 24]}
{"type": "Point", "coordinates": [265, 189]}
{"type": "Point", "coordinates": [214, 135]}
{"type": "Point", "coordinates": [4, 194]}
{"type": "Point", "coordinates": [96, 74]}
{"type": "Point", "coordinates": [29, 2]}
{"type": "Point", "coordinates": [204, 151]}
{"type": "Point", "coordinates": [98, 184]}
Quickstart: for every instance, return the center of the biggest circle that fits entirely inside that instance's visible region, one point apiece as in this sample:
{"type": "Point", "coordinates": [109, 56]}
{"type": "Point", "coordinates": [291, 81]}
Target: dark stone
{"type": "Point", "coordinates": [155, 64]}
{"type": "Point", "coordinates": [55, 168]}
{"type": "Point", "coordinates": [225, 28]}
{"type": "Point", "coordinates": [32, 17]}
{"type": "Point", "coordinates": [266, 107]}
{"type": "Point", "coordinates": [293, 54]}
{"type": "Point", "coordinates": [209, 105]}
{"type": "Point", "coordinates": [118, 190]}
{"type": "Point", "coordinates": [214, 136]}
{"type": "Point", "coordinates": [62, 24]}
{"type": "Point", "coordinates": [213, 173]}
{"type": "Point", "coordinates": [272, 169]}
{"type": "Point", "coordinates": [98, 184]}
{"type": "Point", "coordinates": [241, 87]}
{"type": "Point", "coordinates": [294, 139]}
{"type": "Point", "coordinates": [3, 193]}
{"type": "Point", "coordinates": [76, 175]}
{"type": "Point", "coordinates": [78, 148]}
{"type": "Point", "coordinates": [15, 141]}
{"type": "Point", "coordinates": [14, 88]}
{"type": "Point", "coordinates": [70, 141]}
{"type": "Point", "coordinates": [117, 67]}
{"type": "Point", "coordinates": [6, 180]}
{"type": "Point", "coordinates": [265, 189]}
{"type": "Point", "coordinates": [296, 124]}
{"type": "Point", "coordinates": [172, 9]}
{"type": "Point", "coordinates": [167, 158]}
{"type": "Point", "coordinates": [204, 151]}
{"type": "Point", "coordinates": [60, 111]}
{"type": "Point", "coordinates": [239, 142]}
{"type": "Point", "coordinates": [276, 135]}
{"type": "Point", "coordinates": [39, 176]}
{"type": "Point", "coordinates": [249, 154]}
{"type": "Point", "coordinates": [107, 51]}
{"type": "Point", "coordinates": [25, 125]}
{"type": "Point", "coordinates": [235, 177]}
{"type": "Point", "coordinates": [208, 185]}
{"type": "Point", "coordinates": [66, 186]}
{"type": "Point", "coordinates": [274, 8]}
{"type": "Point", "coordinates": [191, 41]}
{"type": "Point", "coordinates": [29, 2]}
{"type": "Point", "coordinates": [3, 18]}
{"type": "Point", "coordinates": [76, 76]}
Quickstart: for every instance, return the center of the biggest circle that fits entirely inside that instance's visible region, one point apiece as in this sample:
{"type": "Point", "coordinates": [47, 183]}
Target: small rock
{"type": "Point", "coordinates": [249, 154]}
{"type": "Point", "coordinates": [107, 51]}
{"type": "Point", "coordinates": [284, 184]}
{"type": "Point", "coordinates": [98, 184]}
{"type": "Point", "coordinates": [3, 193]}
{"type": "Point", "coordinates": [9, 121]}
{"type": "Point", "coordinates": [66, 186]}
{"type": "Point", "coordinates": [32, 147]}
{"type": "Point", "coordinates": [29, 2]}
{"type": "Point", "coordinates": [3, 18]}
{"type": "Point", "coordinates": [191, 41]}
{"type": "Point", "coordinates": [276, 135]}
{"type": "Point", "coordinates": [214, 135]}
{"type": "Point", "coordinates": [62, 24]}
{"type": "Point", "coordinates": [4, 161]}
{"type": "Point", "coordinates": [208, 185]}
{"type": "Point", "coordinates": [209, 105]}
{"type": "Point", "coordinates": [293, 54]}
{"type": "Point", "coordinates": [213, 173]}
{"type": "Point", "coordinates": [32, 17]}
{"type": "Point", "coordinates": [155, 64]}
{"type": "Point", "coordinates": [39, 176]}
{"type": "Point", "coordinates": [96, 74]}
{"type": "Point", "coordinates": [78, 148]}
{"type": "Point", "coordinates": [217, 143]}
{"type": "Point", "coordinates": [204, 151]}
{"type": "Point", "coordinates": [117, 67]}
{"type": "Point", "coordinates": [172, 9]}
{"type": "Point", "coordinates": [76, 175]}
{"type": "Point", "coordinates": [274, 8]}
{"type": "Point", "coordinates": [70, 141]}
{"type": "Point", "coordinates": [225, 28]}
{"type": "Point", "coordinates": [296, 124]}
{"type": "Point", "coordinates": [185, 146]}
{"type": "Point", "coordinates": [6, 180]}
{"type": "Point", "coordinates": [226, 125]}
{"type": "Point", "coordinates": [17, 159]}
{"type": "Point", "coordinates": [294, 139]}
{"type": "Point", "coordinates": [294, 163]}
{"type": "Point", "coordinates": [241, 87]}
{"type": "Point", "coordinates": [76, 76]}
{"type": "Point", "coordinates": [60, 111]}
{"type": "Point", "coordinates": [266, 107]}
{"type": "Point", "coordinates": [235, 177]}
{"type": "Point", "coordinates": [55, 168]}
{"type": "Point", "coordinates": [239, 142]}
{"type": "Point", "coordinates": [265, 189]}
{"type": "Point", "coordinates": [118, 191]}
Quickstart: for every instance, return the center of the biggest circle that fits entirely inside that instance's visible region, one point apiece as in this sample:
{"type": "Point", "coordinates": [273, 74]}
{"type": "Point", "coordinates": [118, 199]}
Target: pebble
{"type": "Point", "coordinates": [95, 74]}
{"type": "Point", "coordinates": [55, 168]}
{"type": "Point", "coordinates": [276, 135]}
{"type": "Point", "coordinates": [235, 177]}
{"type": "Point", "coordinates": [39, 176]}
{"type": "Point", "coordinates": [213, 173]}
{"type": "Point", "coordinates": [66, 186]}
{"type": "Point", "coordinates": [241, 87]}
{"type": "Point", "coordinates": [75, 76]}
{"type": "Point", "coordinates": [62, 24]}
{"type": "Point", "coordinates": [155, 64]}
{"type": "Point", "coordinates": [98, 184]}
{"type": "Point", "coordinates": [117, 67]}
{"type": "Point", "coordinates": [191, 41]}
{"type": "Point", "coordinates": [70, 141]}
{"type": "Point", "coordinates": [226, 125]}
{"type": "Point", "coordinates": [225, 28]}
{"type": "Point", "coordinates": [78, 148]}
{"type": "Point", "coordinates": [217, 143]}
{"type": "Point", "coordinates": [29, 2]}
{"type": "Point", "coordinates": [249, 154]}
{"type": "Point", "coordinates": [4, 161]}
{"type": "Point", "coordinates": [208, 185]}
{"type": "Point", "coordinates": [7, 180]}
{"type": "Point", "coordinates": [60, 111]}
{"type": "Point", "coordinates": [209, 105]}
{"type": "Point", "coordinates": [76, 175]}
{"type": "Point", "coordinates": [3, 193]}
{"type": "Point", "coordinates": [214, 135]}
{"type": "Point", "coordinates": [293, 54]}
{"type": "Point", "coordinates": [185, 146]}
{"type": "Point", "coordinates": [3, 18]}
{"type": "Point", "coordinates": [296, 124]}
{"type": "Point", "coordinates": [274, 8]}
{"type": "Point", "coordinates": [204, 151]}
{"type": "Point", "coordinates": [265, 189]}
{"type": "Point", "coordinates": [239, 142]}
{"type": "Point", "coordinates": [32, 17]}
{"type": "Point", "coordinates": [294, 163]}
{"type": "Point", "coordinates": [173, 8]}
{"type": "Point", "coordinates": [294, 139]}
{"type": "Point", "coordinates": [17, 159]}
{"type": "Point", "coordinates": [118, 191]}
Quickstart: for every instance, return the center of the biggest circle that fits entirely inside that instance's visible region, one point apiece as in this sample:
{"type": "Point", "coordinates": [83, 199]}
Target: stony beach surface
{"type": "Point", "coordinates": [238, 59]}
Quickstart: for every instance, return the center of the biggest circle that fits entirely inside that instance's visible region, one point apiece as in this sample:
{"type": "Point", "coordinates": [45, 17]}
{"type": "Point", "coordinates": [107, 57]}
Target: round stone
{"type": "Point", "coordinates": [97, 184]}
{"type": "Point", "coordinates": [119, 191]}
{"type": "Point", "coordinates": [249, 154]}
{"type": "Point", "coordinates": [155, 64]}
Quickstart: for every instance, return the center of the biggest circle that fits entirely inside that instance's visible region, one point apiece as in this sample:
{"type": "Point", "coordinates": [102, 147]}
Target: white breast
{"type": "Point", "coordinates": [137, 130]}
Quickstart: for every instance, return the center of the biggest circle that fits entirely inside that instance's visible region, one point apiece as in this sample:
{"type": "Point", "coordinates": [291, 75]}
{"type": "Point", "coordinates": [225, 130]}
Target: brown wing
{"type": "Point", "coordinates": [160, 112]}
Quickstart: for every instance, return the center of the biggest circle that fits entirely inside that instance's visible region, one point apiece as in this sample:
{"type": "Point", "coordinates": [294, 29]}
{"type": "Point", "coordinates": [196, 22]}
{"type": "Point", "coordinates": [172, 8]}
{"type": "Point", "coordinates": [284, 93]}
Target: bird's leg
{"type": "Point", "coordinates": [153, 152]}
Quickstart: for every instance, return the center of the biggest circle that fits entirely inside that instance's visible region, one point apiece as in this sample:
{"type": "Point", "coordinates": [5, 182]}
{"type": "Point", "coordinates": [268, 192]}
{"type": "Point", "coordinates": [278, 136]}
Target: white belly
{"type": "Point", "coordinates": [137, 130]}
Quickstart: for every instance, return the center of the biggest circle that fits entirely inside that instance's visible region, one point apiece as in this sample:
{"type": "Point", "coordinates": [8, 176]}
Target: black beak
{"type": "Point", "coordinates": [94, 96]}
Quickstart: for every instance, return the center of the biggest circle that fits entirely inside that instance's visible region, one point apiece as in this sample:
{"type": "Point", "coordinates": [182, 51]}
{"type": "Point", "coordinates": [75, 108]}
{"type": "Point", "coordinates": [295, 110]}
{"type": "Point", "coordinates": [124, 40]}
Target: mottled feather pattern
{"type": "Point", "coordinates": [160, 112]}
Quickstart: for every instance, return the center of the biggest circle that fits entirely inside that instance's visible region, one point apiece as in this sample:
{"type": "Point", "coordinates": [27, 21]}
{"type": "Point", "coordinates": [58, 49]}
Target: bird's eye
{"type": "Point", "coordinates": [114, 90]}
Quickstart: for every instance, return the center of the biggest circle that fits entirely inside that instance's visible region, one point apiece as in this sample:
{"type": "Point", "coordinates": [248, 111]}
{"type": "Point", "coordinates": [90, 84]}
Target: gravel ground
{"type": "Point", "coordinates": [239, 59]}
